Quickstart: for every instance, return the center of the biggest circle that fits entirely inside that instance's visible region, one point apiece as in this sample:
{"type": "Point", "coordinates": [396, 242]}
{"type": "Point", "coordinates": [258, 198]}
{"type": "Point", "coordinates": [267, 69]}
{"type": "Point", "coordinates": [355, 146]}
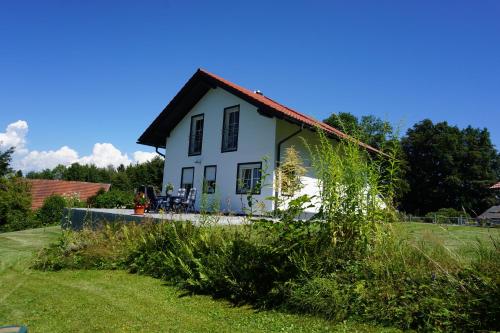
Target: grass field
{"type": "Point", "coordinates": [462, 240]}
{"type": "Point", "coordinates": [115, 301]}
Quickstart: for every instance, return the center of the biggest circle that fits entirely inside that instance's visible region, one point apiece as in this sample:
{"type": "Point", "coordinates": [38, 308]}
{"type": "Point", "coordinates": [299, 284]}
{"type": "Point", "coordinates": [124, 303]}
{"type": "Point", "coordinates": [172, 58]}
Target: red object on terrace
{"type": "Point", "coordinates": [43, 188]}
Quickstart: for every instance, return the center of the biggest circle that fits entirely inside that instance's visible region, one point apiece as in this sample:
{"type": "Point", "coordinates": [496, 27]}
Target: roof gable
{"type": "Point", "coordinates": [199, 84]}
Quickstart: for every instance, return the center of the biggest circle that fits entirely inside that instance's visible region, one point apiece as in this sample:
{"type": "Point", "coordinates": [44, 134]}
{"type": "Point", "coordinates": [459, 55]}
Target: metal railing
{"type": "Point", "coordinates": [451, 220]}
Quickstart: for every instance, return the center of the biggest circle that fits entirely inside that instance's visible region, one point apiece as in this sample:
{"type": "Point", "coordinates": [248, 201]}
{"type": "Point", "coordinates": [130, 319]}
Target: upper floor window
{"type": "Point", "coordinates": [249, 178]}
{"type": "Point", "coordinates": [230, 128]}
{"type": "Point", "coordinates": [196, 135]}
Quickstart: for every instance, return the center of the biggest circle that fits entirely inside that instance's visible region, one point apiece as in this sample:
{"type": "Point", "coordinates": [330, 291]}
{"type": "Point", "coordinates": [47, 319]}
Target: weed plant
{"type": "Point", "coordinates": [347, 263]}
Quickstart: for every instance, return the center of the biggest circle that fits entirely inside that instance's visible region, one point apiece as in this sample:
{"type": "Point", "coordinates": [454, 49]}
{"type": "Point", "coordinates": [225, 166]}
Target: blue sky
{"type": "Point", "coordinates": [86, 72]}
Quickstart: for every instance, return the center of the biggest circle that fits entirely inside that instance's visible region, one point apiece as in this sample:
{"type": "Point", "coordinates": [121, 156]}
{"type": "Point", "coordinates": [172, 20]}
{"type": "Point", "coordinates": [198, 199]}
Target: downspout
{"type": "Point", "coordinates": [156, 150]}
{"type": "Point", "coordinates": [278, 154]}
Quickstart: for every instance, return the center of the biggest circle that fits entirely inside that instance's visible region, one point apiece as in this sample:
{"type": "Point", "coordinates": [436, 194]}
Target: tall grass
{"type": "Point", "coordinates": [346, 263]}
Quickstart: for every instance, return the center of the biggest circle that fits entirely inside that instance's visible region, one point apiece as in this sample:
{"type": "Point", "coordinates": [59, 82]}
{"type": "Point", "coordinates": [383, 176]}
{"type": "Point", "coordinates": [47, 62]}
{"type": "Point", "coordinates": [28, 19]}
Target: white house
{"type": "Point", "coordinates": [225, 136]}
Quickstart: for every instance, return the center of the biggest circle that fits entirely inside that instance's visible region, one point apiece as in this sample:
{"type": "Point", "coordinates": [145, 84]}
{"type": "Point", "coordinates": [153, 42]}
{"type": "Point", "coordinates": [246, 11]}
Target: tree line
{"type": "Point", "coordinates": [443, 166]}
{"type": "Point", "coordinates": [123, 178]}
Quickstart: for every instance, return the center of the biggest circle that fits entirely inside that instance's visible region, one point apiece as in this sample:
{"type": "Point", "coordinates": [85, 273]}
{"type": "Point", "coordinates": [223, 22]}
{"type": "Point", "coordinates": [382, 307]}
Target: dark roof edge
{"type": "Point", "coordinates": [267, 110]}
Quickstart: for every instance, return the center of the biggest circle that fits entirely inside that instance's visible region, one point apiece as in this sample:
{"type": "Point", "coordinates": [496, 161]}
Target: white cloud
{"type": "Point", "coordinates": [103, 154]}
{"type": "Point", "coordinates": [15, 136]}
{"type": "Point", "coordinates": [144, 156]}
{"type": "Point", "coordinates": [39, 160]}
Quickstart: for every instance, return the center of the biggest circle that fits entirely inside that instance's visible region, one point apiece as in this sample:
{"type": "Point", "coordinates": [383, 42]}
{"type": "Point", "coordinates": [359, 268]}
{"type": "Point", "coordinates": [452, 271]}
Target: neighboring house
{"type": "Point", "coordinates": [218, 133]}
{"type": "Point", "coordinates": [491, 215]}
{"type": "Point", "coordinates": [43, 188]}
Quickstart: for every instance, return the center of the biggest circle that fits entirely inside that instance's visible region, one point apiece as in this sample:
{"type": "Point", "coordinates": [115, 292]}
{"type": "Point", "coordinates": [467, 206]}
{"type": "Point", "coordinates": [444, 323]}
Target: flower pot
{"type": "Point", "coordinates": [139, 209]}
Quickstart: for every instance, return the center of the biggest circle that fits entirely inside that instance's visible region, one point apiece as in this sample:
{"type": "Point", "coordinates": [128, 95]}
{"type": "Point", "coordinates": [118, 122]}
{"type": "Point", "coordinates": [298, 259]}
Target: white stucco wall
{"type": "Point", "coordinates": [257, 137]}
{"type": "Point", "coordinates": [309, 181]}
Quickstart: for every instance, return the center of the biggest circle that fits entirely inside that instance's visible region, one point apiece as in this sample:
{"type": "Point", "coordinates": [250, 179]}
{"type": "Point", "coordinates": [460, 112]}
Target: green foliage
{"type": "Point", "coordinates": [112, 199]}
{"type": "Point", "coordinates": [347, 263]}
{"type": "Point", "coordinates": [5, 158]}
{"type": "Point", "coordinates": [444, 215]}
{"type": "Point", "coordinates": [353, 197]}
{"type": "Point", "coordinates": [52, 210]}
{"type": "Point", "coordinates": [15, 205]}
{"type": "Point", "coordinates": [289, 172]}
{"type": "Point", "coordinates": [412, 285]}
{"type": "Point", "coordinates": [370, 129]}
{"type": "Point", "coordinates": [449, 167]}
{"type": "Point", "coordinates": [89, 249]}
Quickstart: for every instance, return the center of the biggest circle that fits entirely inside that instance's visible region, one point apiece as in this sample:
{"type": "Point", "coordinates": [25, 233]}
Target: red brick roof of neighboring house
{"type": "Point", "coordinates": [200, 83]}
{"type": "Point", "coordinates": [42, 188]}
{"type": "Point", "coordinates": [496, 186]}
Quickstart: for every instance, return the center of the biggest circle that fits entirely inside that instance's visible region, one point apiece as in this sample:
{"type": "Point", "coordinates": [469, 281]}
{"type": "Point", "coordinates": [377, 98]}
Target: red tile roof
{"type": "Point", "coordinates": [284, 110]}
{"type": "Point", "coordinates": [496, 186]}
{"type": "Point", "coordinates": [200, 83]}
{"type": "Point", "coordinates": [42, 188]}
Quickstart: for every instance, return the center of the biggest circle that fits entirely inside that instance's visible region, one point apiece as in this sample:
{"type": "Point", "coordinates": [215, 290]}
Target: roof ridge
{"type": "Point", "coordinates": [150, 138]}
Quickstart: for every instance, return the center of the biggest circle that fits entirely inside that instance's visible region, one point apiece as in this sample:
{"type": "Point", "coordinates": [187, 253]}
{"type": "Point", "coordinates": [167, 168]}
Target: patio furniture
{"type": "Point", "coordinates": [162, 202]}
{"type": "Point", "coordinates": [188, 204]}
{"type": "Point", "coordinates": [177, 200]}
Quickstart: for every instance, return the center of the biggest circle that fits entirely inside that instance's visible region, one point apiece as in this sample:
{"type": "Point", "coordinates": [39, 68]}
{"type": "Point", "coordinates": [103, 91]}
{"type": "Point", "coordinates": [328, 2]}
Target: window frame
{"type": "Point", "coordinates": [238, 190]}
{"type": "Point", "coordinates": [182, 178]}
{"type": "Point", "coordinates": [222, 150]}
{"type": "Point", "coordinates": [205, 190]}
{"type": "Point", "coordinates": [191, 141]}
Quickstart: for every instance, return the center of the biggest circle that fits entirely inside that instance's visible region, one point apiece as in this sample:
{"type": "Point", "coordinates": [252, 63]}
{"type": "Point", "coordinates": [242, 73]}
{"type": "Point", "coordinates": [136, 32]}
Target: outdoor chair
{"type": "Point", "coordinates": [179, 199]}
{"type": "Point", "coordinates": [188, 204]}
{"type": "Point", "coordinates": [153, 200]}
{"type": "Point", "coordinates": [163, 203]}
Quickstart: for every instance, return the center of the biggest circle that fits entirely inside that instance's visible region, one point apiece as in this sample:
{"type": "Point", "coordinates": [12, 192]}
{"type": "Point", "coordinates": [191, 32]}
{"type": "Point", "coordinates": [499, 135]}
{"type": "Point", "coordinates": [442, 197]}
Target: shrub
{"type": "Point", "coordinates": [15, 205]}
{"type": "Point", "coordinates": [447, 215]}
{"type": "Point", "coordinates": [412, 286]}
{"type": "Point", "coordinates": [52, 210]}
{"type": "Point", "coordinates": [347, 264]}
{"type": "Point", "coordinates": [112, 199]}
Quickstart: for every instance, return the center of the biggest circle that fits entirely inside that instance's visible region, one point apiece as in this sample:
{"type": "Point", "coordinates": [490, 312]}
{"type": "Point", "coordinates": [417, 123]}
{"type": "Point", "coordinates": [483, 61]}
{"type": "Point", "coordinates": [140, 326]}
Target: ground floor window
{"type": "Point", "coordinates": [249, 178]}
{"type": "Point", "coordinates": [209, 178]}
{"type": "Point", "coordinates": [187, 178]}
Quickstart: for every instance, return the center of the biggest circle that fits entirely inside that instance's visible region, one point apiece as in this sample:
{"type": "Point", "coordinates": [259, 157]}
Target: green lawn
{"type": "Point", "coordinates": [115, 301]}
{"type": "Point", "coordinates": [460, 239]}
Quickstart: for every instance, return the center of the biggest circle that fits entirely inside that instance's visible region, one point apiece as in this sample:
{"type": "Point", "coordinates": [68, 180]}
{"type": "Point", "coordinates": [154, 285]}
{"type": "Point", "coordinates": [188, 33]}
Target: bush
{"type": "Point", "coordinates": [52, 210]}
{"type": "Point", "coordinates": [112, 199]}
{"type": "Point", "coordinates": [15, 205]}
{"type": "Point", "coordinates": [447, 215]}
{"type": "Point", "coordinates": [89, 249]}
{"type": "Point", "coordinates": [412, 286]}
{"type": "Point", "coordinates": [348, 264]}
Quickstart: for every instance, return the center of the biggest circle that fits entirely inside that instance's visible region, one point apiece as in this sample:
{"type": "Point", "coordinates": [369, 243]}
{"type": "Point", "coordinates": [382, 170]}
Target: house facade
{"type": "Point", "coordinates": [224, 140]}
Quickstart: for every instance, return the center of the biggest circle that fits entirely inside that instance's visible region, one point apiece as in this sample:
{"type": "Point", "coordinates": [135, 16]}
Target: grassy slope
{"type": "Point", "coordinates": [114, 301]}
